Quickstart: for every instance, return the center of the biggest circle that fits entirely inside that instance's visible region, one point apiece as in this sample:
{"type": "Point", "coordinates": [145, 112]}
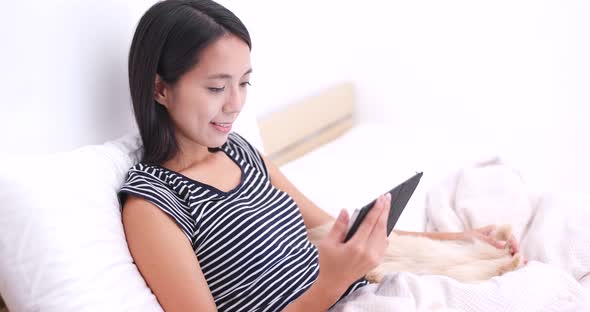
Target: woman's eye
{"type": "Point", "coordinates": [216, 90]}
{"type": "Point", "coordinates": [245, 84]}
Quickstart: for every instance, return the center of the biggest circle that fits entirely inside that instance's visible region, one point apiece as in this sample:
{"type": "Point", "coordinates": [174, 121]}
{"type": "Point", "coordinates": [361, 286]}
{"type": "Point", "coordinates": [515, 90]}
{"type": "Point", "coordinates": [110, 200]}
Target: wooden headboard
{"type": "Point", "coordinates": [301, 127]}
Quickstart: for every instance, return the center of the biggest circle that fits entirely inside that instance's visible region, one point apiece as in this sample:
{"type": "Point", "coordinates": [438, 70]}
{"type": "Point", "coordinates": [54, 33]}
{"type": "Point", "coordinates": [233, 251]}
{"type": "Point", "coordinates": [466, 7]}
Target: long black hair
{"type": "Point", "coordinates": [167, 42]}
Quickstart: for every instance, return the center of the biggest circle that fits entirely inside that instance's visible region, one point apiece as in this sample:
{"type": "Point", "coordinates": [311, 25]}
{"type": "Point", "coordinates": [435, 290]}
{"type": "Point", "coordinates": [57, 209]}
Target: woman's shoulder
{"type": "Point", "coordinates": [238, 140]}
{"type": "Point", "coordinates": [143, 171]}
{"type": "Point", "coordinates": [149, 180]}
{"type": "Point", "coordinates": [150, 184]}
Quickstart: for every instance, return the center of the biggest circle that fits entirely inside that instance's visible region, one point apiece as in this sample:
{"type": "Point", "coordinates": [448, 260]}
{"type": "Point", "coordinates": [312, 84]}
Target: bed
{"type": "Point", "coordinates": [330, 156]}
{"type": "Point", "coordinates": [341, 163]}
{"type": "Point", "coordinates": [319, 142]}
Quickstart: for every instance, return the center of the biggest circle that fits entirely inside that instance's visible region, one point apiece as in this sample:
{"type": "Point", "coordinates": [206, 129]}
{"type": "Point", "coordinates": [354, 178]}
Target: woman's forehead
{"type": "Point", "coordinates": [229, 55]}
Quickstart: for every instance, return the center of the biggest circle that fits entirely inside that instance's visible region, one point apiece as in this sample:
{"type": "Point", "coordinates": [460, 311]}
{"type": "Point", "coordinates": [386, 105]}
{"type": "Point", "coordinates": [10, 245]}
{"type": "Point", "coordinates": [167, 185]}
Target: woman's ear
{"type": "Point", "coordinates": [161, 91]}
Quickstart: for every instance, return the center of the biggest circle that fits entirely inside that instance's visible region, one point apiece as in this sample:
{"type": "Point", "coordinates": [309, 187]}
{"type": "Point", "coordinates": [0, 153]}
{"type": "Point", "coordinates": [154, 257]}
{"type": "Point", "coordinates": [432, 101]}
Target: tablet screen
{"type": "Point", "coordinates": [400, 195]}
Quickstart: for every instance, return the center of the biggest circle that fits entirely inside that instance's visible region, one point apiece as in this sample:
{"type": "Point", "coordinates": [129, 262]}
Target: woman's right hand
{"type": "Point", "coordinates": [343, 263]}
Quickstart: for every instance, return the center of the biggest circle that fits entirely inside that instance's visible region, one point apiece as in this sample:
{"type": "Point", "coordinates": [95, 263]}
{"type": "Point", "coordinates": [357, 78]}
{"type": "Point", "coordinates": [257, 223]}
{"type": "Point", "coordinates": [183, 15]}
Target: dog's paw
{"type": "Point", "coordinates": [515, 262]}
{"type": "Point", "coordinates": [375, 275]}
{"type": "Point", "coordinates": [504, 232]}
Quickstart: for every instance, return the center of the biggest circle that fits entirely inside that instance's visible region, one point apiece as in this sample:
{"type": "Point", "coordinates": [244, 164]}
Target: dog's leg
{"type": "Point", "coordinates": [483, 269]}
{"type": "Point", "coordinates": [467, 262]}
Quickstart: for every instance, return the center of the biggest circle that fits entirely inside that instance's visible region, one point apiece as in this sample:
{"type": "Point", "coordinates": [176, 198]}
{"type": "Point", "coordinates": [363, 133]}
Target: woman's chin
{"type": "Point", "coordinates": [218, 140]}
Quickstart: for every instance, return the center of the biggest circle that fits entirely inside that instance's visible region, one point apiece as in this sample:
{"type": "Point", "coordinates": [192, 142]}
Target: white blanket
{"type": "Point", "coordinates": [552, 227]}
{"type": "Point", "coordinates": [553, 234]}
{"type": "Point", "coordinates": [536, 287]}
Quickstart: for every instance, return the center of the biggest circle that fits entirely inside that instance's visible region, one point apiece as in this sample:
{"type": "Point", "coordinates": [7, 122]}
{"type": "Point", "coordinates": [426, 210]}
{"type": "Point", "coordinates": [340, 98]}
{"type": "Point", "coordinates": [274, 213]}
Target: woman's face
{"type": "Point", "coordinates": [204, 102]}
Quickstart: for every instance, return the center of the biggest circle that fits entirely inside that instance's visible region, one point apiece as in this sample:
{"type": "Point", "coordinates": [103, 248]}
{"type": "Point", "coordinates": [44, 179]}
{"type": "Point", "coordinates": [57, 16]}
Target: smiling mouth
{"type": "Point", "coordinates": [223, 127]}
{"type": "Point", "coordinates": [222, 124]}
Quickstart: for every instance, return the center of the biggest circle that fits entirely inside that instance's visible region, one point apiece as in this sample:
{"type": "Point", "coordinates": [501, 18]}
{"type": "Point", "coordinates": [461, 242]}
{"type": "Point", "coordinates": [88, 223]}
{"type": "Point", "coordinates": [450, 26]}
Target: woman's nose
{"type": "Point", "coordinates": [234, 101]}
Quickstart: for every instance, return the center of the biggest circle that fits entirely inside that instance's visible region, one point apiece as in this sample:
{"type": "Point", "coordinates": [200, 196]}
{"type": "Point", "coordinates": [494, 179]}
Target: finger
{"type": "Point", "coordinates": [493, 242]}
{"type": "Point", "coordinates": [488, 229]}
{"type": "Point", "coordinates": [378, 239]}
{"type": "Point", "coordinates": [513, 244]}
{"type": "Point", "coordinates": [366, 227]}
{"type": "Point", "coordinates": [340, 227]}
{"type": "Point", "coordinates": [380, 229]}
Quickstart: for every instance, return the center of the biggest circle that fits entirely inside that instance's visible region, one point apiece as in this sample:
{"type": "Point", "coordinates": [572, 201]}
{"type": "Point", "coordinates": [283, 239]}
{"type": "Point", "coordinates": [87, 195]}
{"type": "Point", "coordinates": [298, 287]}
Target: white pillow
{"type": "Point", "coordinates": [62, 243]}
{"type": "Point", "coordinates": [61, 237]}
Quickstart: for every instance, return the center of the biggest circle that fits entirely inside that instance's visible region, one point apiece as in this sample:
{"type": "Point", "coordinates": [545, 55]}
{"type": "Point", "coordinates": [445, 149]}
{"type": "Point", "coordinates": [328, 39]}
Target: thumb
{"type": "Point", "coordinates": [489, 230]}
{"type": "Point", "coordinates": [338, 230]}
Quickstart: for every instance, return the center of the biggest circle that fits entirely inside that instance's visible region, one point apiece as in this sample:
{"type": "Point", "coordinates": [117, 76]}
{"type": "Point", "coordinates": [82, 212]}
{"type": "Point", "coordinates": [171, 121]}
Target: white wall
{"type": "Point", "coordinates": [505, 76]}
{"type": "Point", "coordinates": [50, 54]}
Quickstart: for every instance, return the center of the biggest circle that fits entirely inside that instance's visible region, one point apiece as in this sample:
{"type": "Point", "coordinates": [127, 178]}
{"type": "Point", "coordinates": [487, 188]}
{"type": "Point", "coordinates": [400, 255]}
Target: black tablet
{"type": "Point", "coordinates": [400, 195]}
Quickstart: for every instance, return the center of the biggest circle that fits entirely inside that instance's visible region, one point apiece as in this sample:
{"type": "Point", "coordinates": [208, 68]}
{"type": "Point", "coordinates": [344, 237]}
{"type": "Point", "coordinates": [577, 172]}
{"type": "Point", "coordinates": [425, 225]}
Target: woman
{"type": "Point", "coordinates": [210, 222]}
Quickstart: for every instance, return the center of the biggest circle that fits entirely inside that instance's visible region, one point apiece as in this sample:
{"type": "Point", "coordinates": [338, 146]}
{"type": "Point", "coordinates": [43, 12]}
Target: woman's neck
{"type": "Point", "coordinates": [189, 154]}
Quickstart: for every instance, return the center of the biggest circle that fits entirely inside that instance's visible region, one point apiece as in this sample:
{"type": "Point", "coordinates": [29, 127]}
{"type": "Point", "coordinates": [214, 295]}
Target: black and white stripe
{"type": "Point", "coordinates": [251, 242]}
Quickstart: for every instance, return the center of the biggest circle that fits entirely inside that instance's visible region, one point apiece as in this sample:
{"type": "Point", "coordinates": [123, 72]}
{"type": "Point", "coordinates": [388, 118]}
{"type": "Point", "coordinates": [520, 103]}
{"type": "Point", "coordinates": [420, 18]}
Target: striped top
{"type": "Point", "coordinates": [250, 242]}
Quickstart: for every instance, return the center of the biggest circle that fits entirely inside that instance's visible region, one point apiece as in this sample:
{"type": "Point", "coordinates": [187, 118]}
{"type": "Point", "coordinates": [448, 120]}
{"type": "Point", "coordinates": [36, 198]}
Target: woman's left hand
{"type": "Point", "coordinates": [488, 235]}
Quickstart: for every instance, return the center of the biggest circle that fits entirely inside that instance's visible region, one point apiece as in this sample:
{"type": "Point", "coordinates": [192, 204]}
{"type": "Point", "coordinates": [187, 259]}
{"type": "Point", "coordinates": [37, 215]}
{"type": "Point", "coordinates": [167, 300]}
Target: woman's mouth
{"type": "Point", "coordinates": [223, 127]}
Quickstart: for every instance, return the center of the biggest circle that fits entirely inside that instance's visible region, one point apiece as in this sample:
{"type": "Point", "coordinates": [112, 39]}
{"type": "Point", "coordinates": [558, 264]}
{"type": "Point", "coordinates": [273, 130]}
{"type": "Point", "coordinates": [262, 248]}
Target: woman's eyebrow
{"type": "Point", "coordinates": [227, 76]}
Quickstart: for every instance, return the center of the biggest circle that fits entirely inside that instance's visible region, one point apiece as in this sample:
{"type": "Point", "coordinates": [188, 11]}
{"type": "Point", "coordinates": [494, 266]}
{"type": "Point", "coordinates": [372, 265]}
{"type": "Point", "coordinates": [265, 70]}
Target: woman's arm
{"type": "Point", "coordinates": [165, 258]}
{"type": "Point", "coordinates": [343, 263]}
{"type": "Point", "coordinates": [340, 263]}
{"type": "Point", "coordinates": [168, 264]}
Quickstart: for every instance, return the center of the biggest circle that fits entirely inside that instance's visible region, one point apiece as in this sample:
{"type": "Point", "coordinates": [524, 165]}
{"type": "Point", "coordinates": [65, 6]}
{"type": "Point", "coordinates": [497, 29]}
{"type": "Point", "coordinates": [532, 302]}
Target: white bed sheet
{"type": "Point", "coordinates": [370, 159]}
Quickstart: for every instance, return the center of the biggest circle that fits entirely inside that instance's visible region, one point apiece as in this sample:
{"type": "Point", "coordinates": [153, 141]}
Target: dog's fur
{"type": "Point", "coordinates": [466, 261]}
